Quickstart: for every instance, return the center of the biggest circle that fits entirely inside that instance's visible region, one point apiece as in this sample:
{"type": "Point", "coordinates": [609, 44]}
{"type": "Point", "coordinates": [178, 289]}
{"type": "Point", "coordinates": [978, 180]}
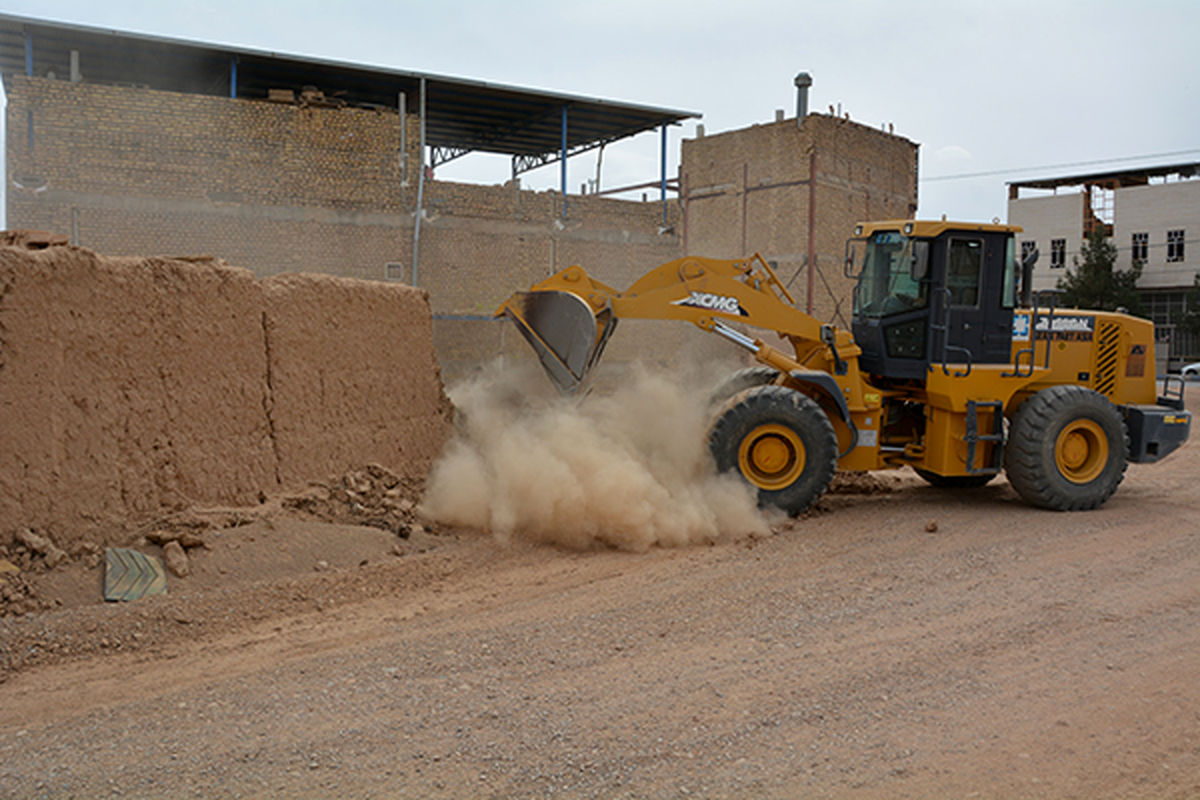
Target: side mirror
{"type": "Point", "coordinates": [851, 257]}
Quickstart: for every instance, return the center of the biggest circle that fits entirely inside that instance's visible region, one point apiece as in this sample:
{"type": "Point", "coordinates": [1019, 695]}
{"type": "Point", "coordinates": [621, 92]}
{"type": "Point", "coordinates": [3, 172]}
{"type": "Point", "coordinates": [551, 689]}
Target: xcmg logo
{"type": "Point", "coordinates": [713, 302]}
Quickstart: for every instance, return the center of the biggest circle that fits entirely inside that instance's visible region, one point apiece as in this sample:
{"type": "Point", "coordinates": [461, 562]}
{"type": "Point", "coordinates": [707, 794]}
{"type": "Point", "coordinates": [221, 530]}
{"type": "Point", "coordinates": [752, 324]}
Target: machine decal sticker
{"type": "Point", "coordinates": [713, 302]}
{"type": "Point", "coordinates": [1020, 331]}
{"type": "Point", "coordinates": [1068, 328]}
{"type": "Point", "coordinates": [1135, 366]}
{"type": "Point", "coordinates": [1071, 328]}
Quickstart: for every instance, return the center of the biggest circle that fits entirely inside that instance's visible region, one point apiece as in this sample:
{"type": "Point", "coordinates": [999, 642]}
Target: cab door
{"type": "Point", "coordinates": [979, 325]}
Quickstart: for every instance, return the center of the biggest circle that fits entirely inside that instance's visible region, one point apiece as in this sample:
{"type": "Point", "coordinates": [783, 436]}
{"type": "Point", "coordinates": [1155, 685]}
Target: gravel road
{"type": "Point", "coordinates": [905, 642]}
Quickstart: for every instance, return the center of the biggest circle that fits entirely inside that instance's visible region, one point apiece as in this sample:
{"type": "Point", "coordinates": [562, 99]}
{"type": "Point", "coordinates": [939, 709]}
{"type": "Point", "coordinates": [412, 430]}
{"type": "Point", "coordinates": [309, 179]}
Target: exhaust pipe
{"type": "Point", "coordinates": [803, 81]}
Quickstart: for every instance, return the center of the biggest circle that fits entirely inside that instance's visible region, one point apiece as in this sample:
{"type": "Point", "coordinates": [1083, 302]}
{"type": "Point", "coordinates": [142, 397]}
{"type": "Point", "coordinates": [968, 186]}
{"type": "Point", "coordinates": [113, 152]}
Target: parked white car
{"type": "Point", "coordinates": [1191, 372]}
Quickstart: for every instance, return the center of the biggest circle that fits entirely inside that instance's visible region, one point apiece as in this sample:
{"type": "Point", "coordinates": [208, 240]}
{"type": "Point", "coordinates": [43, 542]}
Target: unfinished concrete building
{"type": "Point", "coordinates": [136, 145]}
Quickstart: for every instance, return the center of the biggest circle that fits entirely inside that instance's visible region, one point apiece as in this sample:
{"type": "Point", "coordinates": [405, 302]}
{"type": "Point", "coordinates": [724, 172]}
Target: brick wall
{"type": "Point", "coordinates": [279, 188]}
{"type": "Point", "coordinates": [750, 190]}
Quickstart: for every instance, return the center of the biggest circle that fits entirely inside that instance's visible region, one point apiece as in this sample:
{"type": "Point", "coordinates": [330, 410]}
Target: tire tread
{"type": "Point", "coordinates": [778, 403]}
{"type": "Point", "coordinates": [1028, 455]}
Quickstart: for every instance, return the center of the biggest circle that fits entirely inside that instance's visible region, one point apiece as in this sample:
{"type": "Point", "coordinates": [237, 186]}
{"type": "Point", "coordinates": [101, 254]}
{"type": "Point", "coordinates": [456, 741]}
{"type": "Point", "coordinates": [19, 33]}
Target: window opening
{"type": "Point", "coordinates": [1175, 246]}
{"type": "Point", "coordinates": [1058, 253]}
{"type": "Point", "coordinates": [1140, 247]}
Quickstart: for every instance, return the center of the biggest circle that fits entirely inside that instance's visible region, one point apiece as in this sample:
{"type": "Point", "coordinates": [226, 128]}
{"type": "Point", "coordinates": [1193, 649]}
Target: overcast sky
{"type": "Point", "coordinates": [1015, 89]}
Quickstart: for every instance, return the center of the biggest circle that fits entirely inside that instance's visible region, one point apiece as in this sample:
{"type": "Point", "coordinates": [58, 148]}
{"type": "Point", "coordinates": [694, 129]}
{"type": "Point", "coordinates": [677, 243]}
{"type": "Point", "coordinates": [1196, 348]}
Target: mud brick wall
{"type": "Point", "coordinates": [352, 377]}
{"type": "Point", "coordinates": [131, 387]}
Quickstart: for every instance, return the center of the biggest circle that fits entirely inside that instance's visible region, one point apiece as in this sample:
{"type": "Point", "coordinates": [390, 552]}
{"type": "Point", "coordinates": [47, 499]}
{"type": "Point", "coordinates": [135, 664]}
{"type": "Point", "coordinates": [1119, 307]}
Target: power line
{"type": "Point", "coordinates": [1070, 165]}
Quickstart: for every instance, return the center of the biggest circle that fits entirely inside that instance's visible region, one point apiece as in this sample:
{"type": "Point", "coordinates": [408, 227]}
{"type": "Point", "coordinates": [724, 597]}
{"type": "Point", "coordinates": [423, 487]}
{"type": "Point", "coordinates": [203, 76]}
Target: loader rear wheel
{"type": "Point", "coordinates": [954, 481]}
{"type": "Point", "coordinates": [780, 442]}
{"type": "Point", "coordinates": [1066, 449]}
{"type": "Point", "coordinates": [737, 382]}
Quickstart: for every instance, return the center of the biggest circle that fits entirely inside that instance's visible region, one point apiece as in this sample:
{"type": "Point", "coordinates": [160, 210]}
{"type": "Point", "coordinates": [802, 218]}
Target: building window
{"type": "Point", "coordinates": [1174, 246]}
{"type": "Point", "coordinates": [1026, 249]}
{"type": "Point", "coordinates": [1140, 247]}
{"type": "Point", "coordinates": [1058, 253]}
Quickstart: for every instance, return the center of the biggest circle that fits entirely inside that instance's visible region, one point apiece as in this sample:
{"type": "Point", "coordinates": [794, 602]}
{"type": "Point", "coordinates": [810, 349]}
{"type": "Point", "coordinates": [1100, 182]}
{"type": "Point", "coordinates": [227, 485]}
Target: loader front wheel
{"type": "Point", "coordinates": [1066, 449]}
{"type": "Point", "coordinates": [780, 442]}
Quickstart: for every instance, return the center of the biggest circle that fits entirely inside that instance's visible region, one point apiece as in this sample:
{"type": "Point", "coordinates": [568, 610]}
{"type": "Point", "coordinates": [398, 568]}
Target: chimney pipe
{"type": "Point", "coordinates": [803, 81]}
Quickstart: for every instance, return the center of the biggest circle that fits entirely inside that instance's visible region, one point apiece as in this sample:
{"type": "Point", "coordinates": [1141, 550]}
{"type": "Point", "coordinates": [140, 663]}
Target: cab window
{"type": "Point", "coordinates": [890, 281]}
{"type": "Point", "coordinates": [963, 268]}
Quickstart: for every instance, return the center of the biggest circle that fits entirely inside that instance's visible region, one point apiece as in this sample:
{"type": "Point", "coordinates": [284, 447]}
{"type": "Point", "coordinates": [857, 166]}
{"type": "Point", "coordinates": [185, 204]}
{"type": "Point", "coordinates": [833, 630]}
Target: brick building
{"type": "Point", "coordinates": [275, 183]}
{"type": "Point", "coordinates": [793, 192]}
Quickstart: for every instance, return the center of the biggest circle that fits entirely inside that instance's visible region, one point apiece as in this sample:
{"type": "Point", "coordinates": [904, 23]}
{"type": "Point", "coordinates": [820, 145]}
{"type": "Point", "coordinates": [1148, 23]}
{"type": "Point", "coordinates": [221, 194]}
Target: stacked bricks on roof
{"type": "Point", "coordinates": [133, 387]}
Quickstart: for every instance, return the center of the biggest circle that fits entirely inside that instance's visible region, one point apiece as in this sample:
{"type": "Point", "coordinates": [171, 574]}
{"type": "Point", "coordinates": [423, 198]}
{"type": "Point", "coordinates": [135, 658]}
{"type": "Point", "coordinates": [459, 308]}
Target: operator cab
{"type": "Point", "coordinates": [932, 293]}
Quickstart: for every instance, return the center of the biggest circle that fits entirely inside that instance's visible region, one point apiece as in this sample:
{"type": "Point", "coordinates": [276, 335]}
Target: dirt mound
{"type": "Point", "coordinates": [359, 517]}
{"type": "Point", "coordinates": [865, 482]}
{"type": "Point", "coordinates": [372, 496]}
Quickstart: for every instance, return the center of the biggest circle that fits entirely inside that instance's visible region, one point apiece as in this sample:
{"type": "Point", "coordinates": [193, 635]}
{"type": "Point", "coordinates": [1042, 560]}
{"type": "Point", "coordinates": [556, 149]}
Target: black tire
{"type": "Point", "coordinates": [1067, 449]}
{"type": "Point", "coordinates": [954, 481]}
{"type": "Point", "coordinates": [780, 442]}
{"type": "Point", "coordinates": [737, 382]}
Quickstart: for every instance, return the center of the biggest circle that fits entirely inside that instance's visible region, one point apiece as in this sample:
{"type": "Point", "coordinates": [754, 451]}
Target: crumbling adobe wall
{"type": "Point", "coordinates": [130, 387]}
{"type": "Point", "coordinates": [353, 378]}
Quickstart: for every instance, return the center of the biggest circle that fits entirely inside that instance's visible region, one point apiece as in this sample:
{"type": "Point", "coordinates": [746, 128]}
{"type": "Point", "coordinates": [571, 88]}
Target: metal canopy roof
{"type": "Point", "coordinates": [461, 115]}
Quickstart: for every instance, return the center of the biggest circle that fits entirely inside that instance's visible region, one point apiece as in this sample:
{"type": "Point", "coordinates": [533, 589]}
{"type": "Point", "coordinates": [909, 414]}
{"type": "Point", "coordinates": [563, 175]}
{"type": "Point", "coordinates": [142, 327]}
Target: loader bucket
{"type": "Point", "coordinates": [564, 332]}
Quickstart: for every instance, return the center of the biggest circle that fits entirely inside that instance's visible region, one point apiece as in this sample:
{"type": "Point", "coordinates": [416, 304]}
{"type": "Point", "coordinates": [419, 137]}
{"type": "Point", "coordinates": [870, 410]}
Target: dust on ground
{"type": "Point", "coordinates": [627, 468]}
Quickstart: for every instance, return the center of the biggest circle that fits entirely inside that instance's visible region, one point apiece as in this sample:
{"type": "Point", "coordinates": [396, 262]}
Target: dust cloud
{"type": "Point", "coordinates": [627, 468]}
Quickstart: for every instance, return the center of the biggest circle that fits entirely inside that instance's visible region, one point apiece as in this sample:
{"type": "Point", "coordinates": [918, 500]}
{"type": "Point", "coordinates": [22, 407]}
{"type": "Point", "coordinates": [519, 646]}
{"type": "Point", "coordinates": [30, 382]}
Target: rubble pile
{"type": "Point", "coordinates": [372, 496]}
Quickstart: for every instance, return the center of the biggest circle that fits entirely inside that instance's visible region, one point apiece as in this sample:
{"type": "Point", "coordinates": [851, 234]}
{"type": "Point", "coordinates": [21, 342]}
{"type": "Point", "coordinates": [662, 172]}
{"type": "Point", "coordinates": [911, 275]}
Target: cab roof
{"type": "Point", "coordinates": [931, 228]}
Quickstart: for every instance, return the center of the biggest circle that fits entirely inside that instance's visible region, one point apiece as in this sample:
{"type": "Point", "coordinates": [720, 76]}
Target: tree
{"type": "Point", "coordinates": [1096, 283]}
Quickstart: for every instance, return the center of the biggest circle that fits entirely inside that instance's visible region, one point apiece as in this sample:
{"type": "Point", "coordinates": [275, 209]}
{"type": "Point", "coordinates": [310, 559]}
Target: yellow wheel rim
{"type": "Point", "coordinates": [771, 457]}
{"type": "Point", "coordinates": [1081, 451]}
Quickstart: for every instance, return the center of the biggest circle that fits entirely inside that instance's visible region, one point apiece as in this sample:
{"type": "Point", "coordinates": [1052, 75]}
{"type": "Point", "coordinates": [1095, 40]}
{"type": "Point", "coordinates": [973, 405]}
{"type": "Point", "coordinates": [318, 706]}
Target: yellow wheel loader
{"type": "Point", "coordinates": [948, 369]}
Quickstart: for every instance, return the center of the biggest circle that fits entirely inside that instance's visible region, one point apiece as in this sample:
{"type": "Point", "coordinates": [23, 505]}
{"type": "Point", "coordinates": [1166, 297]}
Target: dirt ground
{"type": "Point", "coordinates": [898, 641]}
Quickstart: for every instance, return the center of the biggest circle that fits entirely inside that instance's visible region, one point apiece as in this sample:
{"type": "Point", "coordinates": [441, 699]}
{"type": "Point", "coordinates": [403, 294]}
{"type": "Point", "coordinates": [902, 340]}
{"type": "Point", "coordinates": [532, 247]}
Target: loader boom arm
{"type": "Point", "coordinates": [710, 293]}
